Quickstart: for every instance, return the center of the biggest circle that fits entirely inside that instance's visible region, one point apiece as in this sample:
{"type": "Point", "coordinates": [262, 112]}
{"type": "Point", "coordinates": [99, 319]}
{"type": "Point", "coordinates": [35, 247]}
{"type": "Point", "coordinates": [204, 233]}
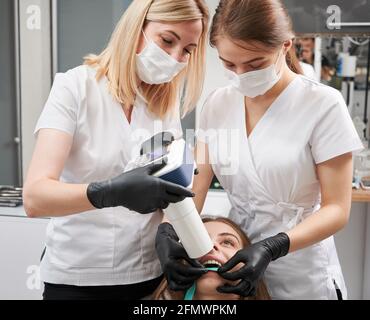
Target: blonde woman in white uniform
{"type": "Point", "coordinates": [289, 172]}
{"type": "Point", "coordinates": [100, 238]}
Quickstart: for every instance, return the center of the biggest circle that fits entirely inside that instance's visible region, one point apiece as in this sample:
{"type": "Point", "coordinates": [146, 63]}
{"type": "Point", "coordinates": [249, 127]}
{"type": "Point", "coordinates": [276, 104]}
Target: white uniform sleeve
{"type": "Point", "coordinates": [334, 134]}
{"type": "Point", "coordinates": [61, 108]}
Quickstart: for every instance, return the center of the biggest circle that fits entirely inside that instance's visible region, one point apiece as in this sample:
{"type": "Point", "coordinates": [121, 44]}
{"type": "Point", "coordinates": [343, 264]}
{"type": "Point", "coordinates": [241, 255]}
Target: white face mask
{"type": "Point", "coordinates": [255, 83]}
{"type": "Point", "coordinates": [156, 66]}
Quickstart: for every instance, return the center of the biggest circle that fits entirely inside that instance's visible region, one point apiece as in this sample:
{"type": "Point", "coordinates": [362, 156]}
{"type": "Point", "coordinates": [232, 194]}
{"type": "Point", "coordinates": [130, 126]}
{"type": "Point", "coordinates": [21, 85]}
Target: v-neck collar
{"type": "Point", "coordinates": [267, 115]}
{"type": "Point", "coordinates": [124, 121]}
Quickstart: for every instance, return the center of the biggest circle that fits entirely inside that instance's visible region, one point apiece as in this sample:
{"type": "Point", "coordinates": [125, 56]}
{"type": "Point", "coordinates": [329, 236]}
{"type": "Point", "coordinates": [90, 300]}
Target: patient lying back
{"type": "Point", "coordinates": [228, 239]}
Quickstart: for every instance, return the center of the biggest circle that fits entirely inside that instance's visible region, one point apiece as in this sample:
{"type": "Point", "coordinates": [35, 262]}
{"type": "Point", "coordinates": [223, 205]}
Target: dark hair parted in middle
{"type": "Point", "coordinates": [263, 21]}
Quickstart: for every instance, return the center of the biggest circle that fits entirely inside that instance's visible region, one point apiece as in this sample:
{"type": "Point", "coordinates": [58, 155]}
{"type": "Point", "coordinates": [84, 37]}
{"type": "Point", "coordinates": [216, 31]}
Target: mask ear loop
{"type": "Point", "coordinates": [281, 64]}
{"type": "Point", "coordinates": [189, 295]}
{"type": "Point", "coordinates": [146, 39]}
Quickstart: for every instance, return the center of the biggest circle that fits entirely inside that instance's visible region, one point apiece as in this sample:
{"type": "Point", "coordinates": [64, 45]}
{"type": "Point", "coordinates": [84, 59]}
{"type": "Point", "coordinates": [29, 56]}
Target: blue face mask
{"type": "Point", "coordinates": [189, 295]}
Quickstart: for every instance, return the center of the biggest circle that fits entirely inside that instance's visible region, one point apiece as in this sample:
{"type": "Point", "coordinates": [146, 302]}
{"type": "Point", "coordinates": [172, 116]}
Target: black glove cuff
{"type": "Point", "coordinates": [95, 193]}
{"type": "Point", "coordinates": [278, 245]}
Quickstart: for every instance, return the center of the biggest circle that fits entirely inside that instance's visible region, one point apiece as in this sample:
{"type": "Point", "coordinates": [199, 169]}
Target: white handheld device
{"type": "Point", "coordinates": [180, 167]}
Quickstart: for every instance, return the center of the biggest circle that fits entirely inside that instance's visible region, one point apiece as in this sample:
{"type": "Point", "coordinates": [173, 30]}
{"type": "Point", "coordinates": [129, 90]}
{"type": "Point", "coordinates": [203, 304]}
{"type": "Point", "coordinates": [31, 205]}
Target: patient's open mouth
{"type": "Point", "coordinates": [212, 264]}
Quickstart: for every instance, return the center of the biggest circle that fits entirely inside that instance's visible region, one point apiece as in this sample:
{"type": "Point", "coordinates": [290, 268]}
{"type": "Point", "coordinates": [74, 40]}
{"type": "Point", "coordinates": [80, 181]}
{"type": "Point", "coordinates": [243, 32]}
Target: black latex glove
{"type": "Point", "coordinates": [137, 190]}
{"type": "Point", "coordinates": [256, 259]}
{"type": "Point", "coordinates": [172, 254]}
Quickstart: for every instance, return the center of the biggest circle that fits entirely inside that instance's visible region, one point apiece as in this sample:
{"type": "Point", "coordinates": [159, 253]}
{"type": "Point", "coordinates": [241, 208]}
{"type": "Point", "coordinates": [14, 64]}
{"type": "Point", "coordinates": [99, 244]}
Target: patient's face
{"type": "Point", "coordinates": [227, 243]}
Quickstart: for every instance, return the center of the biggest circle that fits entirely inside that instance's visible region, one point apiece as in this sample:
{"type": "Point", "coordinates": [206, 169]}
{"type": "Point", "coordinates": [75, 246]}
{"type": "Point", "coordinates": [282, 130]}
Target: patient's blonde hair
{"type": "Point", "coordinates": [118, 61]}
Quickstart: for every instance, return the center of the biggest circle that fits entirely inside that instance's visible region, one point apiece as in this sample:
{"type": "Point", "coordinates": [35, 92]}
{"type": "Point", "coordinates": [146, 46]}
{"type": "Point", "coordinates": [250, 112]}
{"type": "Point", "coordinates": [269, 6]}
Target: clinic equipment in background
{"type": "Point", "coordinates": [361, 169]}
{"type": "Point", "coordinates": [179, 169]}
{"type": "Point", "coordinates": [350, 71]}
{"type": "Point", "coordinates": [10, 196]}
{"type": "Point", "coordinates": [347, 71]}
{"type": "Point", "coordinates": [349, 56]}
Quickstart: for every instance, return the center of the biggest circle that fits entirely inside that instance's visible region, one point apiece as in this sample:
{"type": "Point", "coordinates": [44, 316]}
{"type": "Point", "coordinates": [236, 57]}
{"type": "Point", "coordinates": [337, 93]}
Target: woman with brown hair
{"type": "Point", "coordinates": [281, 146]}
{"type": "Point", "coordinates": [228, 238]}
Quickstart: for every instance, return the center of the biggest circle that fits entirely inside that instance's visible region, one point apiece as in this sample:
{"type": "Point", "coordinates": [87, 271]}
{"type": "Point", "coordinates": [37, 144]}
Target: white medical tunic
{"type": "Point", "coordinates": [112, 246]}
{"type": "Point", "coordinates": [308, 70]}
{"type": "Point", "coordinates": [270, 175]}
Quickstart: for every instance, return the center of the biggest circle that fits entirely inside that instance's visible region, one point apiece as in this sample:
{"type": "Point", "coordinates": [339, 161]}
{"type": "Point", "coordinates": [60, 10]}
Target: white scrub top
{"type": "Point", "coordinates": [112, 246]}
{"type": "Point", "coordinates": [308, 70]}
{"type": "Point", "coordinates": [270, 176]}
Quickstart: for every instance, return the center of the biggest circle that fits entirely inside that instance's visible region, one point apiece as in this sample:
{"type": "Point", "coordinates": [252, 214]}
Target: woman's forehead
{"type": "Point", "coordinates": [186, 29]}
{"type": "Point", "coordinates": [218, 227]}
{"type": "Point", "coordinates": [232, 50]}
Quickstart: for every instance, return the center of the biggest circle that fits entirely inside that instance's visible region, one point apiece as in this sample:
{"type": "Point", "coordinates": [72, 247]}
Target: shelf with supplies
{"type": "Point", "coordinates": [10, 196]}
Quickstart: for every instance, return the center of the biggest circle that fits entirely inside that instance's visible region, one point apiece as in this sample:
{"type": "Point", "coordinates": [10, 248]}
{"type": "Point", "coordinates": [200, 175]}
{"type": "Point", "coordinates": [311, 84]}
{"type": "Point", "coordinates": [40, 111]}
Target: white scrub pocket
{"type": "Point", "coordinates": [82, 241]}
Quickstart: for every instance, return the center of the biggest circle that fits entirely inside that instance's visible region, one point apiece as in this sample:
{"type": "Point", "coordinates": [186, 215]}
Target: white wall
{"type": "Point", "coordinates": [22, 241]}
{"type": "Point", "coordinates": [350, 244]}
{"type": "Point", "coordinates": [35, 65]}
{"type": "Point", "coordinates": [366, 288]}
{"type": "Point", "coordinates": [215, 71]}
